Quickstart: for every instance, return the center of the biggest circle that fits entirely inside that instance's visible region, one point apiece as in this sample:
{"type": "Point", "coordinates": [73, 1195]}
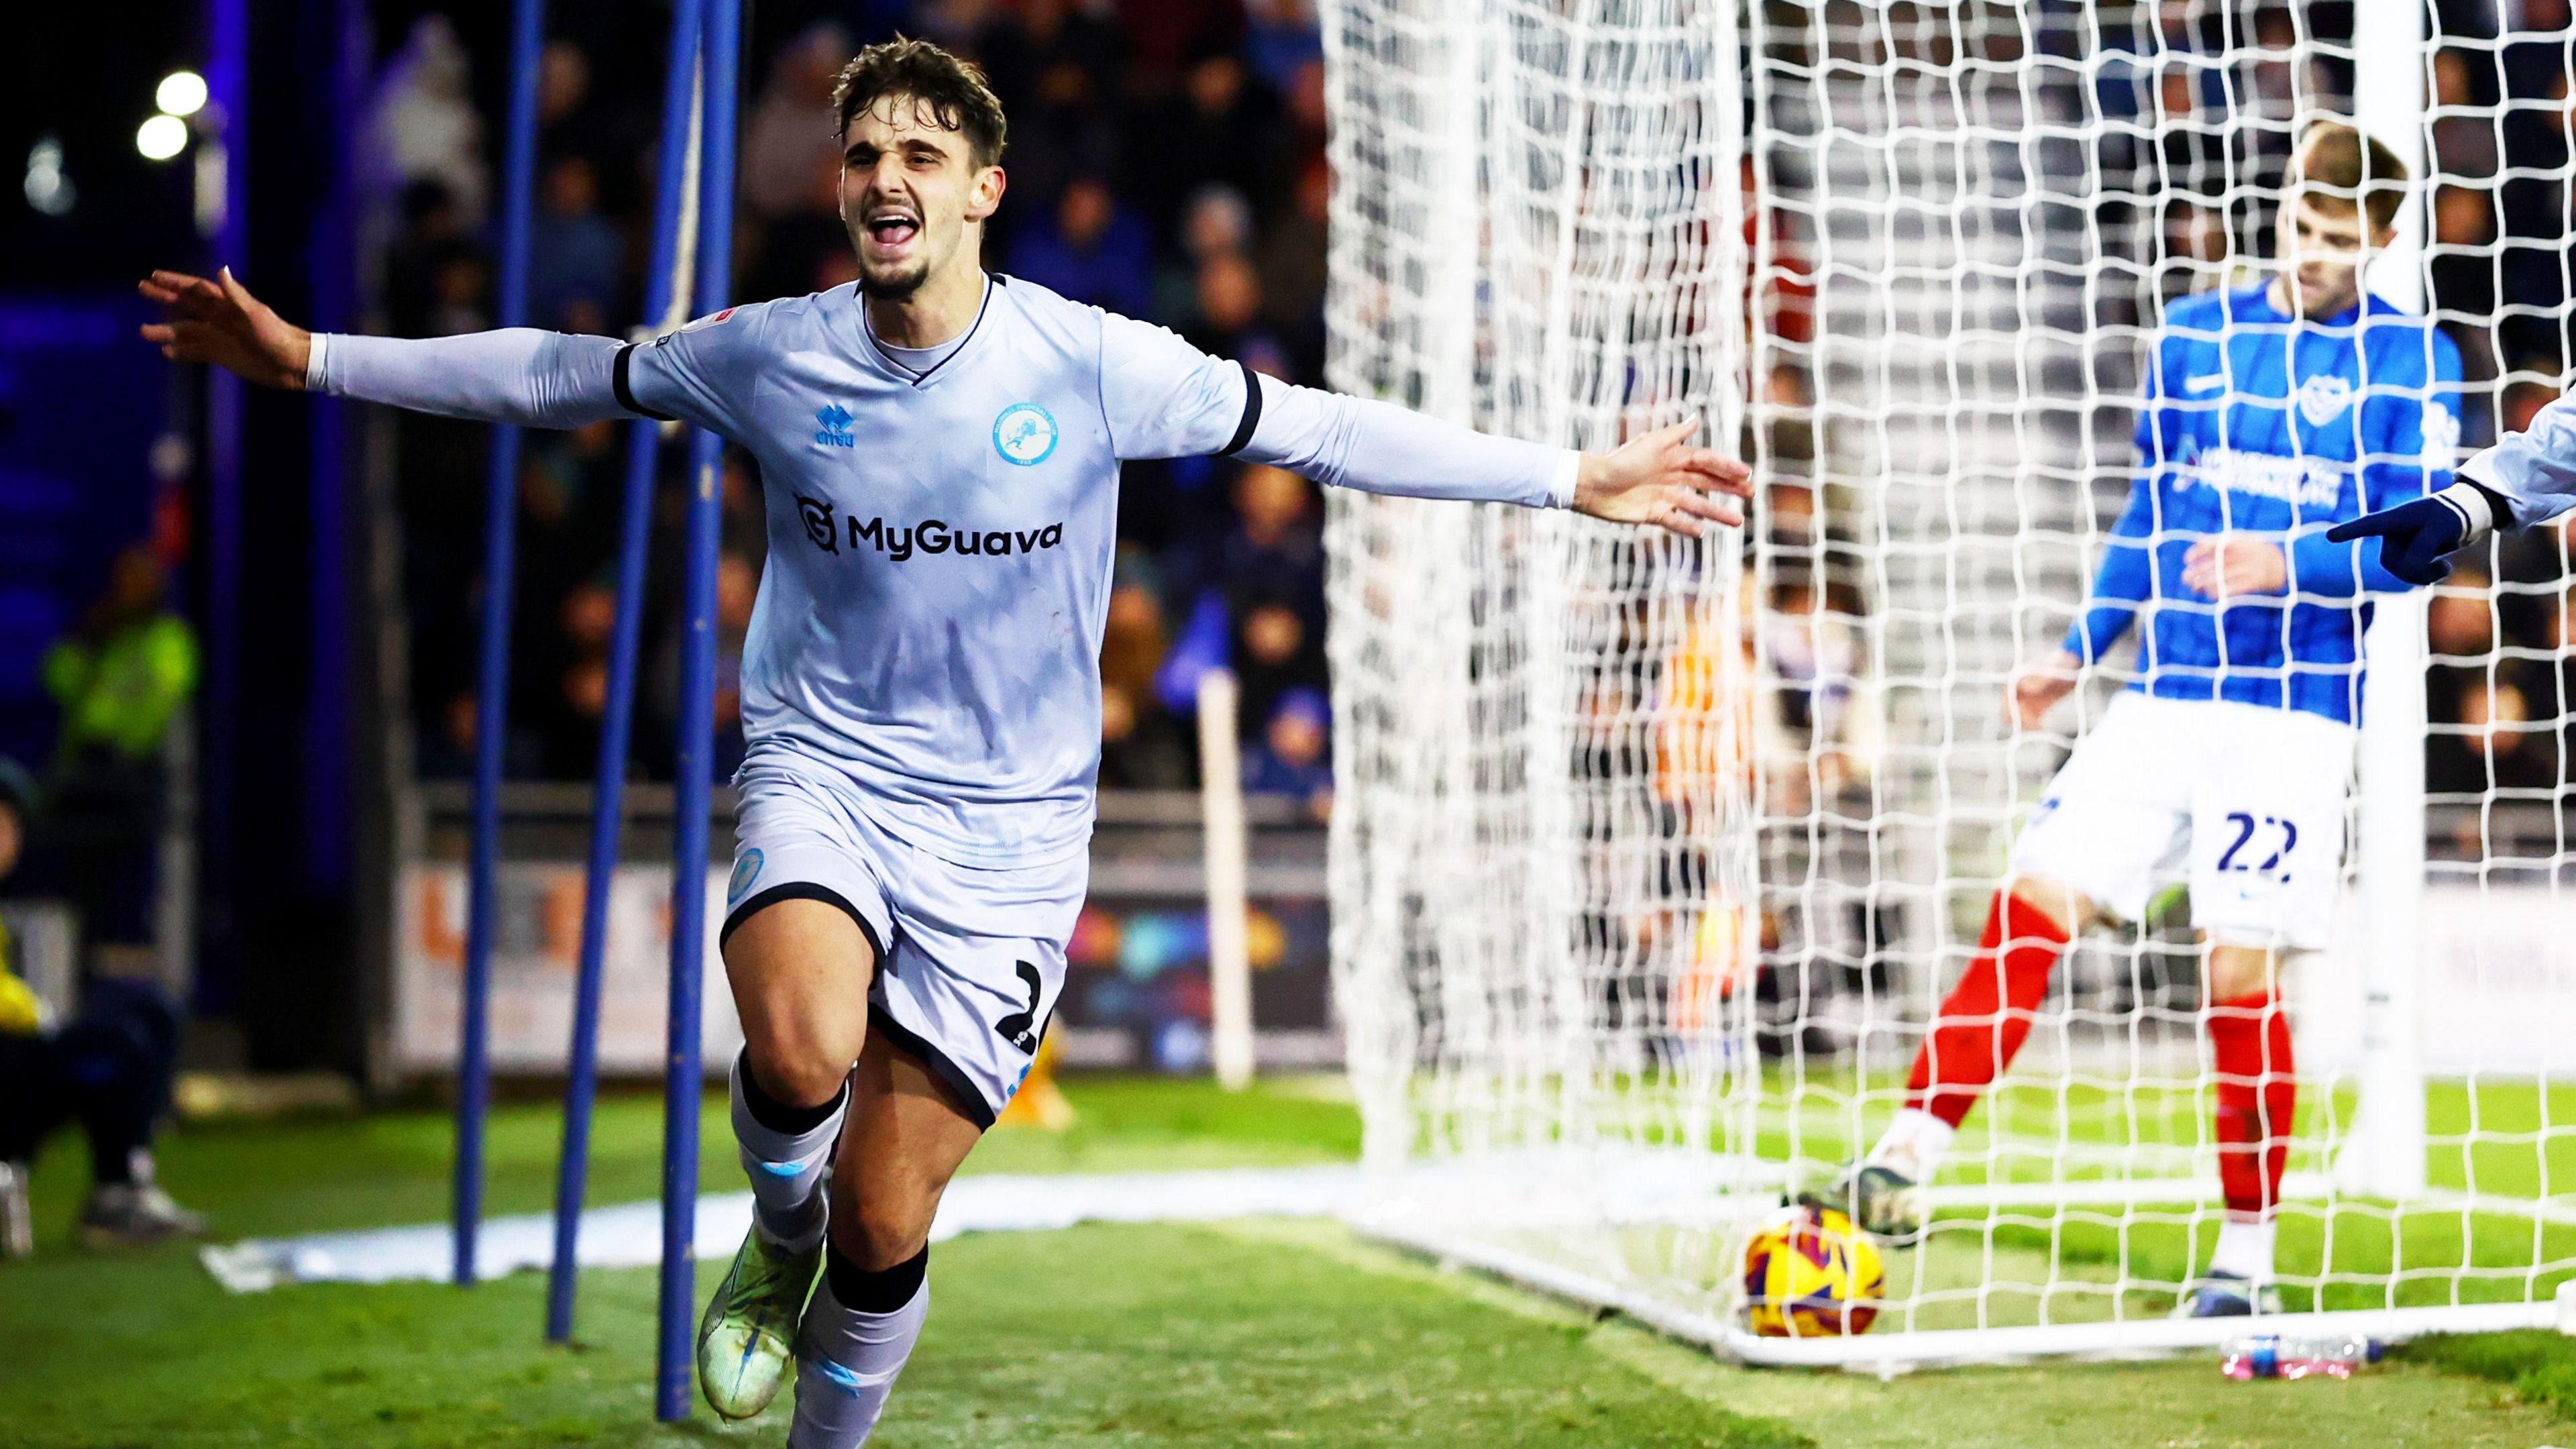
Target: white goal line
{"type": "Point", "coordinates": [1937, 1348]}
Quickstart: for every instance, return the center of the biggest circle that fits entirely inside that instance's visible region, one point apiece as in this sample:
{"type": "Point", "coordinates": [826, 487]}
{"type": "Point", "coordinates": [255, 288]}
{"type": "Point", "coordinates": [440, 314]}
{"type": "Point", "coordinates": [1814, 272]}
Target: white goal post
{"type": "Point", "coordinates": [1651, 858]}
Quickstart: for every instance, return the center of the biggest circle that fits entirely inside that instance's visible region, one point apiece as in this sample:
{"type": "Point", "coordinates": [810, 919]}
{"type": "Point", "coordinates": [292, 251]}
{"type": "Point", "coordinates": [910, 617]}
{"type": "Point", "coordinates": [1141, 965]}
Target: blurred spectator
{"type": "Point", "coordinates": [1215, 222]}
{"type": "Point", "coordinates": [1289, 759]}
{"type": "Point", "coordinates": [121, 677]}
{"type": "Point", "coordinates": [1219, 129]}
{"type": "Point", "coordinates": [1290, 259]}
{"type": "Point", "coordinates": [1140, 745]}
{"type": "Point", "coordinates": [423, 126]}
{"type": "Point", "coordinates": [1091, 251]}
{"type": "Point", "coordinates": [1225, 317]}
{"type": "Point", "coordinates": [1051, 64]}
{"type": "Point", "coordinates": [1164, 36]}
{"type": "Point", "coordinates": [1275, 651]}
{"type": "Point", "coordinates": [1281, 38]}
{"type": "Point", "coordinates": [460, 293]}
{"type": "Point", "coordinates": [2496, 746]}
{"type": "Point", "coordinates": [804, 249]}
{"type": "Point", "coordinates": [576, 260]}
{"type": "Point", "coordinates": [788, 137]}
{"type": "Point", "coordinates": [432, 229]}
{"type": "Point", "coordinates": [1276, 548]}
{"type": "Point", "coordinates": [109, 1069]}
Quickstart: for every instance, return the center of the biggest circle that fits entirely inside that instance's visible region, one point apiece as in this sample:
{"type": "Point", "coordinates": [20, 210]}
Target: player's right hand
{"type": "Point", "coordinates": [2036, 687]}
{"type": "Point", "coordinates": [2419, 533]}
{"type": "Point", "coordinates": [222, 323]}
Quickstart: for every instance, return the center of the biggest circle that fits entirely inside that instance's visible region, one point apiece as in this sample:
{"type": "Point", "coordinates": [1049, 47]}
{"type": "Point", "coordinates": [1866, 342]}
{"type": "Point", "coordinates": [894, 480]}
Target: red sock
{"type": "Point", "coordinates": [2257, 1094]}
{"type": "Point", "coordinates": [1982, 1024]}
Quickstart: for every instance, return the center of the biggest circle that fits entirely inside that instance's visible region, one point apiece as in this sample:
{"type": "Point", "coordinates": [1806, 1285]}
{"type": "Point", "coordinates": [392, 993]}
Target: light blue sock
{"type": "Point", "coordinates": [846, 1363]}
{"type": "Point", "coordinates": [786, 1170]}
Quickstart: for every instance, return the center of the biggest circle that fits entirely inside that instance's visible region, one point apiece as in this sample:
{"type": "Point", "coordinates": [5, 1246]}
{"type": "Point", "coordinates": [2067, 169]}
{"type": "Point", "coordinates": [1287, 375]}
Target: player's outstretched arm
{"type": "Point", "coordinates": [1659, 479]}
{"type": "Point", "coordinates": [219, 321]}
{"type": "Point", "coordinates": [515, 375]}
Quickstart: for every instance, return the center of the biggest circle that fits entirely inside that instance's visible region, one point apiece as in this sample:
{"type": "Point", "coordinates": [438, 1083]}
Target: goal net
{"type": "Point", "coordinates": [1652, 857]}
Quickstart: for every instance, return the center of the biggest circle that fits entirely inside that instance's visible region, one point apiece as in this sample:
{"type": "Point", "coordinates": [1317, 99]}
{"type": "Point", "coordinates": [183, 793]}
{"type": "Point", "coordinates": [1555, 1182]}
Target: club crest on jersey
{"type": "Point", "coordinates": [1024, 434]}
{"type": "Point", "coordinates": [836, 422]}
{"type": "Point", "coordinates": [2320, 398]}
{"type": "Point", "coordinates": [817, 515]}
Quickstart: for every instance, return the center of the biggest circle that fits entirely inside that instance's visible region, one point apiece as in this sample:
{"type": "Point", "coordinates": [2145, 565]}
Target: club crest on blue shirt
{"type": "Point", "coordinates": [1024, 434]}
{"type": "Point", "coordinates": [2320, 398]}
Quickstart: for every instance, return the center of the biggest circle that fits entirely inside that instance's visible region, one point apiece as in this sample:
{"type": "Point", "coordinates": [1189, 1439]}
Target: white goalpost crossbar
{"type": "Point", "coordinates": [1651, 858]}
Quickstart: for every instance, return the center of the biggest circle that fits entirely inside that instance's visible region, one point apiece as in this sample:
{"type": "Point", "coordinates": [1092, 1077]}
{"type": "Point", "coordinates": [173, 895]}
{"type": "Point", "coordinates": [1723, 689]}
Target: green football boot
{"type": "Point", "coordinates": [749, 1334]}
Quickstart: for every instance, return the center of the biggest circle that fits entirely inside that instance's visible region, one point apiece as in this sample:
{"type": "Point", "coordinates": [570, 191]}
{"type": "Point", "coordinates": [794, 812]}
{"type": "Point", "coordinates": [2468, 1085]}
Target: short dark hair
{"type": "Point", "coordinates": [953, 88]}
{"type": "Point", "coordinates": [2341, 168]}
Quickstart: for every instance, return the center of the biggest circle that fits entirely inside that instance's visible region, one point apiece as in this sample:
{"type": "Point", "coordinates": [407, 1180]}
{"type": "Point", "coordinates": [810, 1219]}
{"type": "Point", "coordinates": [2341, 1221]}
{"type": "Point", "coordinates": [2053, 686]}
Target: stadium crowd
{"type": "Point", "coordinates": [1165, 161]}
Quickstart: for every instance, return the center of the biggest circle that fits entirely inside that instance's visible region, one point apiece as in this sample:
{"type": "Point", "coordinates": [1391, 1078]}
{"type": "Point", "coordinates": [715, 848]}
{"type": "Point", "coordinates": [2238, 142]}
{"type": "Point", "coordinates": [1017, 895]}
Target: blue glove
{"type": "Point", "coordinates": [2418, 534]}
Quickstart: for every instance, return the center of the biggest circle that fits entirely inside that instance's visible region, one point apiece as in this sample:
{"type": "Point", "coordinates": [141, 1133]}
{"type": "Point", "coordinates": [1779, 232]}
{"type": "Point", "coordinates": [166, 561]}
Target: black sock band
{"type": "Point", "coordinates": [882, 1291]}
{"type": "Point", "coordinates": [777, 1116]}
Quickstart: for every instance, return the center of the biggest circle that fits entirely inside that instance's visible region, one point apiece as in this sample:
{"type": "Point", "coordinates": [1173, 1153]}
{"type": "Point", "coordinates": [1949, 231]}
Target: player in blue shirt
{"type": "Point", "coordinates": [2271, 414]}
{"type": "Point", "coordinates": [921, 695]}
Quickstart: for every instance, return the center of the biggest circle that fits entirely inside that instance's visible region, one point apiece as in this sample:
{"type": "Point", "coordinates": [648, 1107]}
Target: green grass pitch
{"type": "Point", "coordinates": [1255, 1333]}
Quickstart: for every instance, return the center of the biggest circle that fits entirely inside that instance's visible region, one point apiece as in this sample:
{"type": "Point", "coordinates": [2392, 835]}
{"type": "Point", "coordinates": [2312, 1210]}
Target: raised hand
{"type": "Point", "coordinates": [2419, 534]}
{"type": "Point", "coordinates": [221, 322]}
{"type": "Point", "coordinates": [1661, 481]}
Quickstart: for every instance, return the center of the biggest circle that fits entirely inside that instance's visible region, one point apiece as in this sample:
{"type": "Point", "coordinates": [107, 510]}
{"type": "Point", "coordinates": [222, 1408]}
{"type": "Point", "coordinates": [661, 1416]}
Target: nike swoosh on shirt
{"type": "Point", "coordinates": [2204, 382]}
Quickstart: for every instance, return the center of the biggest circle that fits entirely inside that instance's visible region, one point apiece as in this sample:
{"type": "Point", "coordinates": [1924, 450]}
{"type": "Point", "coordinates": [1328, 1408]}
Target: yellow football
{"type": "Point", "coordinates": [1808, 1273]}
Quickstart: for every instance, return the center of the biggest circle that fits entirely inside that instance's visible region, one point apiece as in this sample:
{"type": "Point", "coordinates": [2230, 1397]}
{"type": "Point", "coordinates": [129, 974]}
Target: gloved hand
{"type": "Point", "coordinates": [2419, 534]}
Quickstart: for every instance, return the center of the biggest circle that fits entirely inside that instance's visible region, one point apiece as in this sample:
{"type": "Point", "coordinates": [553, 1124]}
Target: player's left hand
{"type": "Point", "coordinates": [2233, 564]}
{"type": "Point", "coordinates": [1661, 481]}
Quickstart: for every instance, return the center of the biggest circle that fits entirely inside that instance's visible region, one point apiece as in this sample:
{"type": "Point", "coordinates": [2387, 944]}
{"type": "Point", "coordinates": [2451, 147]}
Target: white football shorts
{"type": "Point", "coordinates": [2244, 802]}
{"type": "Point", "coordinates": [970, 960]}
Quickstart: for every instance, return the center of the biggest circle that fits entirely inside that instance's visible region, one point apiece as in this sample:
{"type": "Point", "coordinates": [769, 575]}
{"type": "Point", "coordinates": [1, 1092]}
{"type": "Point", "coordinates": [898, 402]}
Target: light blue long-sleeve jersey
{"type": "Point", "coordinates": [2533, 470]}
{"type": "Point", "coordinates": [929, 620]}
{"type": "Point", "coordinates": [2257, 423]}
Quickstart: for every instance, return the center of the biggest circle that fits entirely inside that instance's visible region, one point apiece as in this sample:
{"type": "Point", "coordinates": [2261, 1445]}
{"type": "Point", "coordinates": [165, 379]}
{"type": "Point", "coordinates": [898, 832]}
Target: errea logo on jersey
{"type": "Point", "coordinates": [836, 422]}
{"type": "Point", "coordinates": [1025, 434]}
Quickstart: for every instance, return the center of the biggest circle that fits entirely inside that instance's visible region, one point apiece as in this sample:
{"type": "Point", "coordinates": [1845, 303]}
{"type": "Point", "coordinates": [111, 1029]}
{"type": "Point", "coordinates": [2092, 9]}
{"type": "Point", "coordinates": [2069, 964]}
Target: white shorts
{"type": "Point", "coordinates": [970, 960]}
{"type": "Point", "coordinates": [2245, 802]}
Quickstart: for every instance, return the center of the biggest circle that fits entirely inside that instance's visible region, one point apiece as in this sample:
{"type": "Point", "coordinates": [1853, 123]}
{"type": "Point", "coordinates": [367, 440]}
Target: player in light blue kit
{"type": "Point", "coordinates": [921, 691]}
{"type": "Point", "coordinates": [2272, 414]}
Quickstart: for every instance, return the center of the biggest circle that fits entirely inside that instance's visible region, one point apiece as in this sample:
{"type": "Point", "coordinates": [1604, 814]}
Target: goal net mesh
{"type": "Point", "coordinates": [1652, 857]}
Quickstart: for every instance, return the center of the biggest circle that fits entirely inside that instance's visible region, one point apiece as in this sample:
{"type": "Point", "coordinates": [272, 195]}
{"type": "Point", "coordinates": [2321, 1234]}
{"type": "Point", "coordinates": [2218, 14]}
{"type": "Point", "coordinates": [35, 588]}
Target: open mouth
{"type": "Point", "coordinates": [891, 227]}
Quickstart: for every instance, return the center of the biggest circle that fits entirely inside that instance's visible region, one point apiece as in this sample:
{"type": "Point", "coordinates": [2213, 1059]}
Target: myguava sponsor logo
{"type": "Point", "coordinates": [934, 536]}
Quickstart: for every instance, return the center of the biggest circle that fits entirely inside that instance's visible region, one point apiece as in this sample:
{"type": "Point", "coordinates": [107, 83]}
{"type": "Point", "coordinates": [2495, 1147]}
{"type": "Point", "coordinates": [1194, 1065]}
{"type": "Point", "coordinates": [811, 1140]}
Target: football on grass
{"type": "Point", "coordinates": [1808, 1273]}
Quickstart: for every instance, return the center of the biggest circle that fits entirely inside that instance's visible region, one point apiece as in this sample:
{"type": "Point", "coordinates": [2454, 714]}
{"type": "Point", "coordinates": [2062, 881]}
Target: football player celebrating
{"type": "Point", "coordinates": [2271, 413]}
{"type": "Point", "coordinates": [921, 684]}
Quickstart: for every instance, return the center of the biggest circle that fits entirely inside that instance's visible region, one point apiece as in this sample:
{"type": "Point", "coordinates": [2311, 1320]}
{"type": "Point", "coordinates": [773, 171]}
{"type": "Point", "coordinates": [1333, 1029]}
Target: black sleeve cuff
{"type": "Point", "coordinates": [626, 393]}
{"type": "Point", "coordinates": [1251, 413]}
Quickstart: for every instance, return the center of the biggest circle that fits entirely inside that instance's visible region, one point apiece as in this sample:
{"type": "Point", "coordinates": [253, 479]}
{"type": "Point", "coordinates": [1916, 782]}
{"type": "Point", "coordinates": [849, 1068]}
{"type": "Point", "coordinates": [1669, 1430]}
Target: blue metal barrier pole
{"type": "Point", "coordinates": [608, 794]}
{"type": "Point", "coordinates": [696, 755]}
{"type": "Point", "coordinates": [492, 688]}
